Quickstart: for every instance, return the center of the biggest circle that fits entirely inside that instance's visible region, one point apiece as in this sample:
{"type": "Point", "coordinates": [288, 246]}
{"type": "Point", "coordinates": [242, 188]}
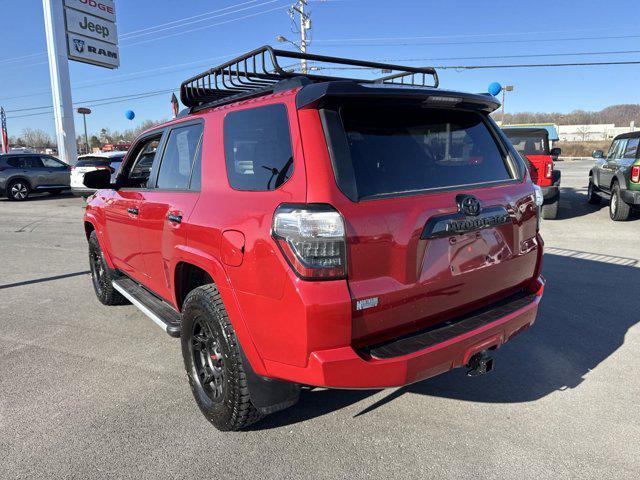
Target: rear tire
{"type": "Point", "coordinates": [213, 361]}
{"type": "Point", "coordinates": [592, 197]}
{"type": "Point", "coordinates": [549, 211]}
{"type": "Point", "coordinates": [619, 211]}
{"type": "Point", "coordinates": [102, 276]}
{"type": "Point", "coordinates": [18, 190]}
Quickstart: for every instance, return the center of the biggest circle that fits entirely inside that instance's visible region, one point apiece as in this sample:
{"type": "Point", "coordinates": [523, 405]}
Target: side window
{"type": "Point", "coordinates": [179, 154]}
{"type": "Point", "coordinates": [618, 149]}
{"type": "Point", "coordinates": [140, 171]}
{"type": "Point", "coordinates": [14, 162]}
{"type": "Point", "coordinates": [31, 163]}
{"type": "Point", "coordinates": [52, 163]}
{"type": "Point", "coordinates": [257, 145]}
{"type": "Point", "coordinates": [632, 148]}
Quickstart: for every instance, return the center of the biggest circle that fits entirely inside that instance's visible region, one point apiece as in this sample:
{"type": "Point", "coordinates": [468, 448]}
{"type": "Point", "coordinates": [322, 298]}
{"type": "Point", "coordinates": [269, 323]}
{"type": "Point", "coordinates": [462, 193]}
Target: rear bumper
{"type": "Point", "coordinates": [345, 368]}
{"type": "Point", "coordinates": [632, 197]}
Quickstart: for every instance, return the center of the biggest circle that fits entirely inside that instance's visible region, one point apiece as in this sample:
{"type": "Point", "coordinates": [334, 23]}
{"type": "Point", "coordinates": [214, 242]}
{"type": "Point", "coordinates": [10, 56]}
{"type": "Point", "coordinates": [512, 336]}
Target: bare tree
{"type": "Point", "coordinates": [34, 137]}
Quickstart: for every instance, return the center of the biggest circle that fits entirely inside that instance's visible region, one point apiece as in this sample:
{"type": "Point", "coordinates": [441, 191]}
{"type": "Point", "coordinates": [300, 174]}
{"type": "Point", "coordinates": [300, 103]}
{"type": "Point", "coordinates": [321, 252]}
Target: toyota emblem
{"type": "Point", "coordinates": [468, 204]}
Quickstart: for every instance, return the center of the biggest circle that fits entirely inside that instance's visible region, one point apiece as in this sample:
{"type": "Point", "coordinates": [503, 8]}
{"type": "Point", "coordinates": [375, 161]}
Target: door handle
{"type": "Point", "coordinates": [174, 217]}
{"type": "Point", "coordinates": [133, 211]}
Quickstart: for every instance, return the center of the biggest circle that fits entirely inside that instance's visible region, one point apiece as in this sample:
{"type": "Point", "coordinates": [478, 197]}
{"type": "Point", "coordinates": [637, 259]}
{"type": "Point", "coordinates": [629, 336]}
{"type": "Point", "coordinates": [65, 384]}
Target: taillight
{"type": "Point", "coordinates": [548, 170]}
{"type": "Point", "coordinates": [635, 174]}
{"type": "Point", "coordinates": [312, 239]}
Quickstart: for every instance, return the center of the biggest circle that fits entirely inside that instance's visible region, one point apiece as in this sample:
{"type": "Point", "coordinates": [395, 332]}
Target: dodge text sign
{"type": "Point", "coordinates": [100, 8]}
{"type": "Point", "coordinates": [90, 26]}
{"type": "Point", "coordinates": [89, 50]}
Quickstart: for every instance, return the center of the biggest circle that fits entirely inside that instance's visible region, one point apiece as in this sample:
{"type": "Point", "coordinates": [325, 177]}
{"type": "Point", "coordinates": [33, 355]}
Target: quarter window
{"type": "Point", "coordinates": [179, 154]}
{"type": "Point", "coordinates": [257, 145]}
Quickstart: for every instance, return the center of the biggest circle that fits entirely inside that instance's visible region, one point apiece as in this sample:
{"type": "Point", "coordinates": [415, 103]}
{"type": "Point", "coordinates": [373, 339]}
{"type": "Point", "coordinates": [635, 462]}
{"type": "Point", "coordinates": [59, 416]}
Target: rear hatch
{"type": "Point", "coordinates": [439, 221]}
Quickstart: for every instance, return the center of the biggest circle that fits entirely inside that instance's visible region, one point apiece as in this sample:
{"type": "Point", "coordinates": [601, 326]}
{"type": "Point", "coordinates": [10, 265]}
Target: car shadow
{"type": "Point", "coordinates": [573, 204]}
{"type": "Point", "coordinates": [34, 197]}
{"type": "Point", "coordinates": [582, 320]}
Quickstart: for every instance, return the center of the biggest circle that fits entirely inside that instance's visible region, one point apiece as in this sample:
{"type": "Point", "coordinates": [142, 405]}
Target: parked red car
{"type": "Point", "coordinates": [298, 230]}
{"type": "Point", "coordinates": [533, 144]}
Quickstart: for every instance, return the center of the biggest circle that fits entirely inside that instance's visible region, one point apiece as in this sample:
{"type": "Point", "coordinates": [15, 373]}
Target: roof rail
{"type": "Point", "coordinates": [257, 72]}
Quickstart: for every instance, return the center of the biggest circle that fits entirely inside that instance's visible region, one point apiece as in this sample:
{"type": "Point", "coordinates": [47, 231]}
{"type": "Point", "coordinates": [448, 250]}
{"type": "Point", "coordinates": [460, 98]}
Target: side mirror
{"type": "Point", "coordinates": [98, 179]}
{"type": "Point", "coordinates": [556, 152]}
{"type": "Point", "coordinates": [597, 154]}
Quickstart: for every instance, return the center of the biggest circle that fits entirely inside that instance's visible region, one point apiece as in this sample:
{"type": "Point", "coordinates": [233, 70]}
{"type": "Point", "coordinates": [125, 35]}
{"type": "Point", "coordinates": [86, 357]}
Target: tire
{"type": "Point", "coordinates": [592, 197]}
{"type": "Point", "coordinates": [549, 211]}
{"type": "Point", "coordinates": [619, 211]}
{"type": "Point", "coordinates": [102, 275]}
{"type": "Point", "coordinates": [18, 190]}
{"type": "Point", "coordinates": [213, 361]}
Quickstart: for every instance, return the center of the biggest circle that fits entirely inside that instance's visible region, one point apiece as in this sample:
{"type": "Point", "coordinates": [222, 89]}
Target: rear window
{"type": "Point", "coordinates": [398, 150]}
{"type": "Point", "coordinates": [95, 161]}
{"type": "Point", "coordinates": [529, 143]}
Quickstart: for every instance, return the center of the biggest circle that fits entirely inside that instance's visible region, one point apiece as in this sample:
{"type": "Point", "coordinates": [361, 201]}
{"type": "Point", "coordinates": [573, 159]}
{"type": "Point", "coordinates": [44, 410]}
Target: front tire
{"type": "Point", "coordinates": [619, 211]}
{"type": "Point", "coordinates": [102, 276]}
{"type": "Point", "coordinates": [213, 362]}
{"type": "Point", "coordinates": [549, 211]}
{"type": "Point", "coordinates": [592, 197]}
{"type": "Point", "coordinates": [18, 191]}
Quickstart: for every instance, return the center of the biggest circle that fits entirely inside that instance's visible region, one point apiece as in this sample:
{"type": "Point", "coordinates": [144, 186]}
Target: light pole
{"type": "Point", "coordinates": [84, 112]}
{"type": "Point", "coordinates": [305, 25]}
{"type": "Point", "coordinates": [506, 88]}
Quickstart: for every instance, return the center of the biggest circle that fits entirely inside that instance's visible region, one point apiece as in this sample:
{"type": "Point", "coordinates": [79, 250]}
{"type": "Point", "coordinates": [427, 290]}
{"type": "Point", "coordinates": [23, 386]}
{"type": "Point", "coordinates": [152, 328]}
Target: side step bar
{"type": "Point", "coordinates": [157, 310]}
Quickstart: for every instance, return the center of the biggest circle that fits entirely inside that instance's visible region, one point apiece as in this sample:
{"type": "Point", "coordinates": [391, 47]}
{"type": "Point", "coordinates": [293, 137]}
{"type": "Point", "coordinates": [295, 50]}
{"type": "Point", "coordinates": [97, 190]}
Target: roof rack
{"type": "Point", "coordinates": [257, 72]}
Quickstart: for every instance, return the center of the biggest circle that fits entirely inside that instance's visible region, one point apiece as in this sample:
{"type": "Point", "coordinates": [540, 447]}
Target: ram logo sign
{"type": "Point", "coordinates": [88, 50]}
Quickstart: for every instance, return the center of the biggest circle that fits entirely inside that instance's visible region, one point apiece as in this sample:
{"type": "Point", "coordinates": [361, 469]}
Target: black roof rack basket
{"type": "Point", "coordinates": [257, 72]}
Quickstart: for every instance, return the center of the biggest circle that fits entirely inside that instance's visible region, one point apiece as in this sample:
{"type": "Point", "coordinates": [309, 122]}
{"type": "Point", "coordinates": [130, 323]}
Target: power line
{"type": "Point", "coordinates": [482, 42]}
{"type": "Point", "coordinates": [185, 19]}
{"type": "Point", "coordinates": [205, 26]}
{"type": "Point", "coordinates": [537, 65]}
{"type": "Point", "coordinates": [157, 29]}
{"type": "Point", "coordinates": [471, 35]}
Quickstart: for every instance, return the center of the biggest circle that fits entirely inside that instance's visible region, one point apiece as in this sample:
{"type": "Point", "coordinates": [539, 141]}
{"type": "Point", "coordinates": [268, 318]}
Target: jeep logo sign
{"type": "Point", "coordinates": [100, 8]}
{"type": "Point", "coordinates": [90, 26]}
{"type": "Point", "coordinates": [89, 50]}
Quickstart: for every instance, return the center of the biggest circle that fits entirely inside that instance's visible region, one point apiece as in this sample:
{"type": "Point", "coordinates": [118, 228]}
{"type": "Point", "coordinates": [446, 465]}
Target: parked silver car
{"type": "Point", "coordinates": [24, 173]}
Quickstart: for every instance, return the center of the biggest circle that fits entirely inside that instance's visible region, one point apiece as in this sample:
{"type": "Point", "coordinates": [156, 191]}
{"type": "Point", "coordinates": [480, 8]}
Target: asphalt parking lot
{"type": "Point", "coordinates": [88, 391]}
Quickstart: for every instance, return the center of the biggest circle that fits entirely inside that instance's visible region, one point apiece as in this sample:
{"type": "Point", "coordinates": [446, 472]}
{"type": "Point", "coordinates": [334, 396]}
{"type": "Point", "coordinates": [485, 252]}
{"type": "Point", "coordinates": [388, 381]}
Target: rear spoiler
{"type": "Point", "coordinates": [313, 94]}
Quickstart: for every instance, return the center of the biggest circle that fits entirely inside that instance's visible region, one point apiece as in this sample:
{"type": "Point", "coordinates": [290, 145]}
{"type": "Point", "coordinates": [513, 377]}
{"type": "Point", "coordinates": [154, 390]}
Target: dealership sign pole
{"type": "Point", "coordinates": [60, 82]}
{"type": "Point", "coordinates": [83, 31]}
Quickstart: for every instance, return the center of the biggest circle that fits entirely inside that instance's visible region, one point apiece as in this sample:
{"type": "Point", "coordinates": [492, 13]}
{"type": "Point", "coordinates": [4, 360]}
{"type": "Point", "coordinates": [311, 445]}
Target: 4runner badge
{"type": "Point", "coordinates": [367, 303]}
{"type": "Point", "coordinates": [470, 217]}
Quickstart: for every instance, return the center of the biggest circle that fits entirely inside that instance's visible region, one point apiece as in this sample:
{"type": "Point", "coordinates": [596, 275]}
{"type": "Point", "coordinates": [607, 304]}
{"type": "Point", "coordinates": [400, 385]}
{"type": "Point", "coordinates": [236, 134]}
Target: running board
{"type": "Point", "coordinates": [154, 308]}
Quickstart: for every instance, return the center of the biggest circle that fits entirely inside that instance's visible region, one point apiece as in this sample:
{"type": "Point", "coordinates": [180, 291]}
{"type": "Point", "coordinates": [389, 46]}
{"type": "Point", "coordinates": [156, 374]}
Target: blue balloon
{"type": "Point", "coordinates": [130, 114]}
{"type": "Point", "coordinates": [495, 88]}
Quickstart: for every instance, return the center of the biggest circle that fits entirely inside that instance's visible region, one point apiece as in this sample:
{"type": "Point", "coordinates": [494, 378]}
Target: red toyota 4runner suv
{"type": "Point", "coordinates": [533, 144]}
{"type": "Point", "coordinates": [305, 230]}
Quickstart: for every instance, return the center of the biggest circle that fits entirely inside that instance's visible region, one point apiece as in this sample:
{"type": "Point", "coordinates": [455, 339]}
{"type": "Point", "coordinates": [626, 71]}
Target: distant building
{"type": "Point", "coordinates": [592, 133]}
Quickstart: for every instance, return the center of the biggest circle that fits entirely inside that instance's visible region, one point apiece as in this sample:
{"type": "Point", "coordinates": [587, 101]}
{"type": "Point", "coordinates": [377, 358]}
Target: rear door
{"type": "Point", "coordinates": [58, 173]}
{"type": "Point", "coordinates": [168, 203]}
{"type": "Point", "coordinates": [439, 220]}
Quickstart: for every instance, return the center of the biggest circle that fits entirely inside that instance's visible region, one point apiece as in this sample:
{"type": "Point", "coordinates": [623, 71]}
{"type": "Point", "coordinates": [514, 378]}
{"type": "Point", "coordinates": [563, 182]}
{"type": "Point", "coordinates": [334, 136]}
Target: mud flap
{"type": "Point", "coordinates": [269, 395]}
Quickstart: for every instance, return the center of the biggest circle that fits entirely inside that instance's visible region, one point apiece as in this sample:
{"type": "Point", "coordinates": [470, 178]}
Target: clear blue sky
{"type": "Point", "coordinates": [432, 31]}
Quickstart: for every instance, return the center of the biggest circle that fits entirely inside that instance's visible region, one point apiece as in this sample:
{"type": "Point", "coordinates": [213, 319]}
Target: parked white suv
{"type": "Point", "coordinates": [94, 161]}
